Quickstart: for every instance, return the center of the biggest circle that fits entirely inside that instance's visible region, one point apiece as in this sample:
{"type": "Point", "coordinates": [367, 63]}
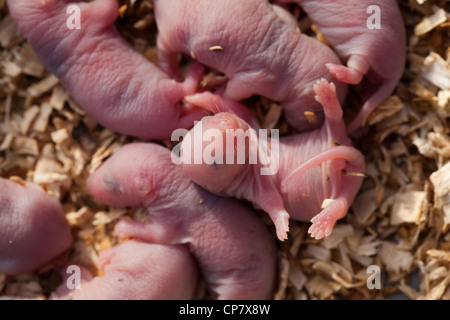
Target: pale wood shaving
{"type": "Point", "coordinates": [102, 218]}
{"type": "Point", "coordinates": [407, 207]}
{"type": "Point", "coordinates": [11, 69]}
{"type": "Point", "coordinates": [7, 141]}
{"type": "Point", "coordinates": [438, 290]}
{"type": "Point", "coordinates": [431, 22]}
{"type": "Point", "coordinates": [58, 98]}
{"type": "Point", "coordinates": [318, 287]}
{"type": "Point", "coordinates": [9, 33]}
{"type": "Point", "coordinates": [25, 146]}
{"type": "Point", "coordinates": [443, 100]}
{"type": "Point", "coordinates": [388, 108]}
{"type": "Point", "coordinates": [41, 123]}
{"type": "Point", "coordinates": [398, 222]}
{"type": "Point", "coordinates": [79, 218]}
{"type": "Point", "coordinates": [28, 62]}
{"type": "Point", "coordinates": [394, 258]}
{"type": "Point", "coordinates": [43, 86]}
{"type": "Point", "coordinates": [283, 278]}
{"type": "Point", "coordinates": [25, 289]}
{"type": "Point", "coordinates": [297, 278]}
{"type": "Point", "coordinates": [272, 117]}
{"type": "Point", "coordinates": [28, 118]}
{"type": "Point", "coordinates": [364, 205]}
{"type": "Point", "coordinates": [441, 182]}
{"type": "Point", "coordinates": [318, 252]}
{"type": "Point", "coordinates": [433, 68]}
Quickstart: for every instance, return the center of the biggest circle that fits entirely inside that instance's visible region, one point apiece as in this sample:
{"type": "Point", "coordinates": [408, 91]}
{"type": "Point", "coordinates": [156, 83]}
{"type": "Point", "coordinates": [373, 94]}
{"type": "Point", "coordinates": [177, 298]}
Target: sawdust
{"type": "Point", "coordinates": [398, 223]}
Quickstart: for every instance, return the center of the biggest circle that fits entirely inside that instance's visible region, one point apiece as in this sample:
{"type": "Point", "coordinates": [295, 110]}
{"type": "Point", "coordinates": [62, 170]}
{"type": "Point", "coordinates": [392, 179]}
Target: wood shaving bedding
{"type": "Point", "coordinates": [398, 223]}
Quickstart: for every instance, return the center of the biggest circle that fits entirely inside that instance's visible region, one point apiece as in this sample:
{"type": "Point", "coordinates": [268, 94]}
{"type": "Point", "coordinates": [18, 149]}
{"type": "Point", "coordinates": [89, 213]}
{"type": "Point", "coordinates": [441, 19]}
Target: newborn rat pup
{"type": "Point", "coordinates": [112, 82]}
{"type": "Point", "coordinates": [376, 53]}
{"type": "Point", "coordinates": [247, 41]}
{"type": "Point", "coordinates": [232, 247]}
{"type": "Point", "coordinates": [33, 227]}
{"type": "Point", "coordinates": [135, 270]}
{"type": "Point", "coordinates": [318, 176]}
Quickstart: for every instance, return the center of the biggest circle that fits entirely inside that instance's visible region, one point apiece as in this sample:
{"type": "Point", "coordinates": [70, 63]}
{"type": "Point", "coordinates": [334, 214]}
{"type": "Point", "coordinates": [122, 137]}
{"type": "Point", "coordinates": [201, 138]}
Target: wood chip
{"type": "Point", "coordinates": [319, 287]}
{"type": "Point", "coordinates": [399, 220]}
{"type": "Point", "coordinates": [272, 117]}
{"type": "Point", "coordinates": [326, 203]}
{"type": "Point", "coordinates": [102, 217]}
{"type": "Point", "coordinates": [436, 70]}
{"type": "Point", "coordinates": [7, 141]}
{"type": "Point", "coordinates": [122, 11]}
{"type": "Point", "coordinates": [441, 183]}
{"type": "Point", "coordinates": [431, 22]}
{"type": "Point", "coordinates": [339, 233]}
{"type": "Point", "coordinates": [443, 100]}
{"type": "Point", "coordinates": [25, 146]}
{"type": "Point", "coordinates": [9, 33]}
{"type": "Point", "coordinates": [11, 69]}
{"type": "Point", "coordinates": [438, 290]}
{"type": "Point", "coordinates": [407, 207]}
{"type": "Point", "coordinates": [297, 278]}
{"type": "Point", "coordinates": [439, 254]}
{"type": "Point", "coordinates": [28, 118]}
{"type": "Point", "coordinates": [61, 136]}
{"type": "Point", "coordinates": [364, 205]}
{"type": "Point", "coordinates": [41, 123]}
{"type": "Point", "coordinates": [283, 278]}
{"type": "Point", "coordinates": [58, 98]}
{"type": "Point", "coordinates": [310, 116]}
{"type": "Point", "coordinates": [145, 22]}
{"type": "Point", "coordinates": [43, 86]}
{"type": "Point", "coordinates": [368, 246]}
{"type": "Point", "coordinates": [29, 62]}
{"type": "Point", "coordinates": [216, 48]}
{"type": "Point", "coordinates": [18, 180]}
{"type": "Point", "coordinates": [388, 108]}
{"type": "Point", "coordinates": [394, 258]}
{"type": "Point", "coordinates": [319, 252]}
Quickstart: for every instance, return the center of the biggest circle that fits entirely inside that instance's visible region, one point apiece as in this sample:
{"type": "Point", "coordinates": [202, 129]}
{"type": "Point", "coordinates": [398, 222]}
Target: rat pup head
{"type": "Point", "coordinates": [214, 152]}
{"type": "Point", "coordinates": [142, 186]}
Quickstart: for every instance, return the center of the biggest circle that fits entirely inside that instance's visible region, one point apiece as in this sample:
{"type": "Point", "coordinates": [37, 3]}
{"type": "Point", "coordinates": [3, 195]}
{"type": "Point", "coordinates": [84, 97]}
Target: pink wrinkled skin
{"type": "Point", "coordinates": [33, 228]}
{"type": "Point", "coordinates": [232, 247]}
{"type": "Point", "coordinates": [136, 270]}
{"type": "Point", "coordinates": [262, 55]}
{"type": "Point", "coordinates": [112, 82]}
{"type": "Point", "coordinates": [377, 55]}
{"type": "Point", "coordinates": [320, 165]}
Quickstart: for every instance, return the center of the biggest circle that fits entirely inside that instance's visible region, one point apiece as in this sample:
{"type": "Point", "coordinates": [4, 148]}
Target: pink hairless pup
{"type": "Point", "coordinates": [369, 36]}
{"type": "Point", "coordinates": [136, 270]}
{"type": "Point", "coordinates": [33, 227]}
{"type": "Point", "coordinates": [250, 44]}
{"type": "Point", "coordinates": [232, 247]}
{"type": "Point", "coordinates": [318, 176]}
{"type": "Point", "coordinates": [113, 83]}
